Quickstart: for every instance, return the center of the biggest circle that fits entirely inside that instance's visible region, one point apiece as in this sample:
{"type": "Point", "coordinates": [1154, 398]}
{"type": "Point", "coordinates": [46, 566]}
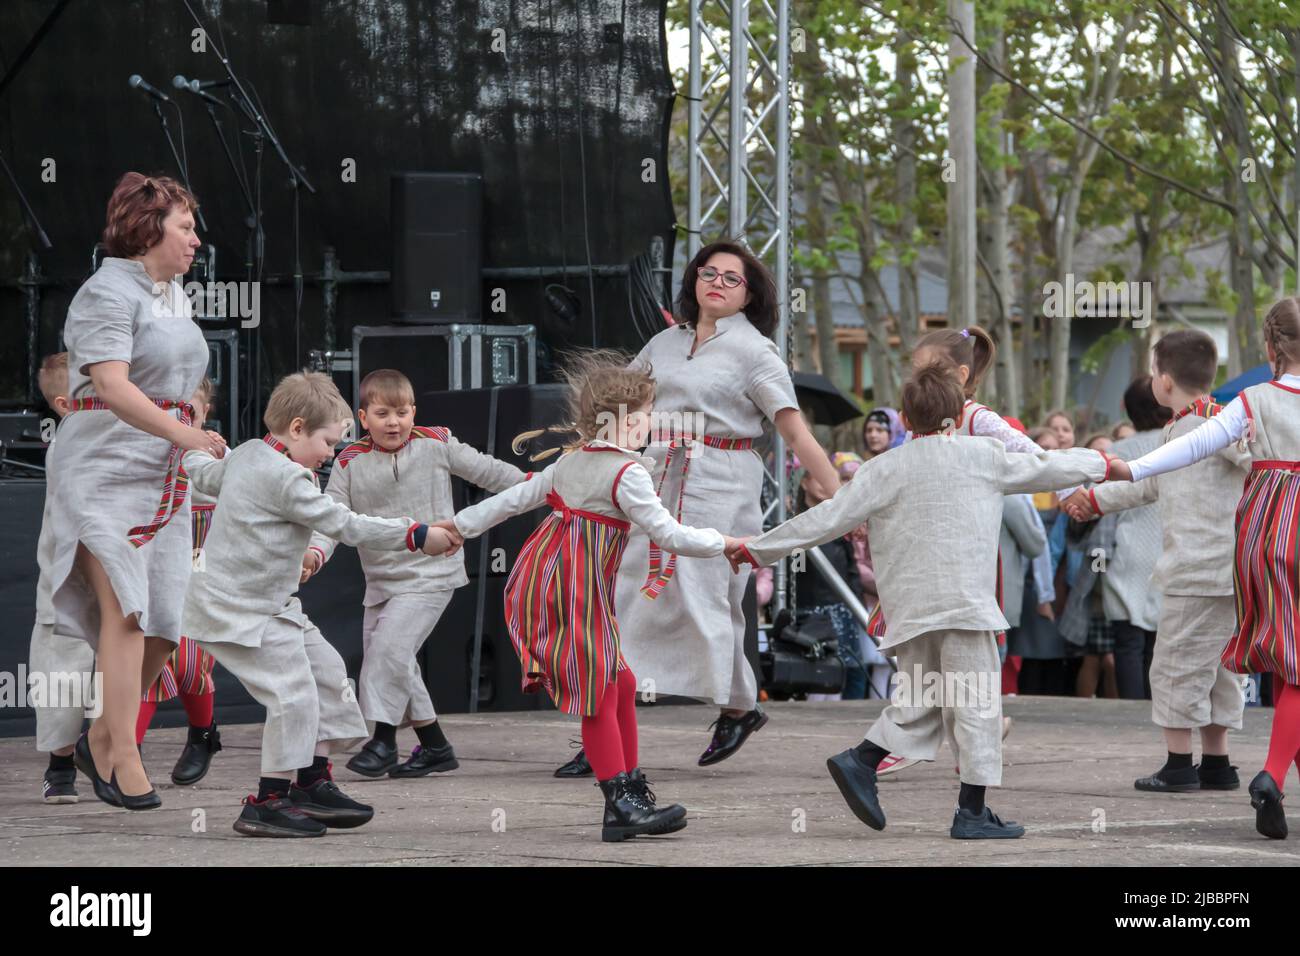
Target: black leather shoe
{"type": "Point", "coordinates": [577, 767]}
{"type": "Point", "coordinates": [375, 759]}
{"type": "Point", "coordinates": [857, 783]}
{"type": "Point", "coordinates": [195, 759]}
{"type": "Point", "coordinates": [1183, 780]}
{"type": "Point", "coordinates": [628, 814]}
{"type": "Point", "coordinates": [1266, 798]}
{"type": "Point", "coordinates": [730, 733]}
{"type": "Point", "coordinates": [1220, 778]}
{"type": "Point", "coordinates": [143, 801]}
{"type": "Point", "coordinates": [276, 816]}
{"type": "Point", "coordinates": [104, 789]}
{"type": "Point", "coordinates": [325, 802]}
{"type": "Point", "coordinates": [985, 825]}
{"type": "Point", "coordinates": [641, 786]}
{"type": "Point", "coordinates": [427, 760]}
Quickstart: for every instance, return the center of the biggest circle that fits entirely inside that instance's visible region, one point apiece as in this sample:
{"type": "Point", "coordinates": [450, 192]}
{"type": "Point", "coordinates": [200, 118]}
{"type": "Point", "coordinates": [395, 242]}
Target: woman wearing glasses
{"type": "Point", "coordinates": [719, 377]}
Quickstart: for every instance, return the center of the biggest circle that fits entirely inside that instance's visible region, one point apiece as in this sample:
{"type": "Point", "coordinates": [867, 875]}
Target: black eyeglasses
{"type": "Point", "coordinates": [730, 279]}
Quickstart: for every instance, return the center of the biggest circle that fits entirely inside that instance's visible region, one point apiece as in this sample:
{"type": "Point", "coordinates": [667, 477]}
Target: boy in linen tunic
{"type": "Point", "coordinates": [405, 596]}
{"type": "Point", "coordinates": [242, 610]}
{"type": "Point", "coordinates": [57, 727]}
{"type": "Point", "coordinates": [1190, 687]}
{"type": "Point", "coordinates": [935, 507]}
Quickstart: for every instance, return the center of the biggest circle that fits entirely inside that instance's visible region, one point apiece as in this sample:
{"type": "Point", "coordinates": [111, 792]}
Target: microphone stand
{"type": "Point", "coordinates": [250, 220]}
{"type": "Point", "coordinates": [32, 221]}
{"type": "Point", "coordinates": [185, 173]}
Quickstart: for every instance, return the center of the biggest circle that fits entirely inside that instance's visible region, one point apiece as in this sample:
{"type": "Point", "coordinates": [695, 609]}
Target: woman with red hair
{"type": "Point", "coordinates": [122, 515]}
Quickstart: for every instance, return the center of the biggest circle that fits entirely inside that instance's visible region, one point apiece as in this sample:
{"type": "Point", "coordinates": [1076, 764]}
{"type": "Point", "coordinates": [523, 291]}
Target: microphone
{"type": "Point", "coordinates": [192, 86]}
{"type": "Point", "coordinates": [196, 85]}
{"type": "Point", "coordinates": [137, 82]}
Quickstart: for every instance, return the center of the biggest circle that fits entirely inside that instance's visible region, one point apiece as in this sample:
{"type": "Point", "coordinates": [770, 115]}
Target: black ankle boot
{"type": "Point", "coordinates": [627, 814]}
{"type": "Point", "coordinates": [637, 782]}
{"type": "Point", "coordinates": [192, 766]}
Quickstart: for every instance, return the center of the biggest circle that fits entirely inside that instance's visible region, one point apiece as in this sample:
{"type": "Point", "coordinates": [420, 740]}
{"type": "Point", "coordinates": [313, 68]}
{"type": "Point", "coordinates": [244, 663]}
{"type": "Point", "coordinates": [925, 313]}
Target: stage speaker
{"type": "Point", "coordinates": [437, 221]}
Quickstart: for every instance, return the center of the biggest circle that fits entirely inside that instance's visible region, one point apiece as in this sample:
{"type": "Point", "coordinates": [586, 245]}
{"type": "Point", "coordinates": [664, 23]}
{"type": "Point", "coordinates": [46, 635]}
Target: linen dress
{"type": "Point", "coordinates": [111, 480]}
{"type": "Point", "coordinates": [689, 639]}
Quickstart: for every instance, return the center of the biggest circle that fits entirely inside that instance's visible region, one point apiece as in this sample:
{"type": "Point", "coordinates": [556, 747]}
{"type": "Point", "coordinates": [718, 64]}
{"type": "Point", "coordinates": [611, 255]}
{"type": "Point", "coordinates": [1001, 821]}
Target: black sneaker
{"type": "Point", "coordinates": [857, 783]}
{"type": "Point", "coordinates": [60, 785]}
{"type": "Point", "coordinates": [325, 802]}
{"type": "Point", "coordinates": [1218, 778]}
{"type": "Point", "coordinates": [276, 816]}
{"type": "Point", "coordinates": [1182, 780]}
{"type": "Point", "coordinates": [985, 825]}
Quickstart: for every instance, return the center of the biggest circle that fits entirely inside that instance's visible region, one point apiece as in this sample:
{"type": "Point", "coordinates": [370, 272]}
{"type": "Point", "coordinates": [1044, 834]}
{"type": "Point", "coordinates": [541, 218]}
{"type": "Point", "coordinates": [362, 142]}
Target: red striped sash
{"type": "Point", "coordinates": [661, 572]}
{"type": "Point", "coordinates": [565, 512]}
{"type": "Point", "coordinates": [175, 483]}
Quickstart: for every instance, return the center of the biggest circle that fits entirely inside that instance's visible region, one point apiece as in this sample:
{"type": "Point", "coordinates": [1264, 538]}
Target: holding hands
{"type": "Point", "coordinates": [311, 563]}
{"type": "Point", "coordinates": [443, 538]}
{"type": "Point", "coordinates": [198, 439]}
{"type": "Point", "coordinates": [735, 553]}
{"type": "Point", "coordinates": [1079, 506]}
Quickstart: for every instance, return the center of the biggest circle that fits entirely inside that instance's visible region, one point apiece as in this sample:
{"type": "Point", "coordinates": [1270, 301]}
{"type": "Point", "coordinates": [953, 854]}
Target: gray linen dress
{"type": "Point", "coordinates": [107, 477]}
{"type": "Point", "coordinates": [689, 641]}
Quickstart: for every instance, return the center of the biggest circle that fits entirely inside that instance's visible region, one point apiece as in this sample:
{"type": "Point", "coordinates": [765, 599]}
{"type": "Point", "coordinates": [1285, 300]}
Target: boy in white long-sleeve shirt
{"type": "Point", "coordinates": [242, 610]}
{"type": "Point", "coordinates": [935, 506]}
{"type": "Point", "coordinates": [398, 469]}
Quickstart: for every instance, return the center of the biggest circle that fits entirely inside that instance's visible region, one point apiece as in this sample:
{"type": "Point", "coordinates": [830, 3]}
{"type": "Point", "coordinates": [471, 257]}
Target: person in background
{"type": "Point", "coordinates": [1062, 426]}
{"type": "Point", "coordinates": [882, 431]}
{"type": "Point", "coordinates": [1036, 641]}
{"type": "Point", "coordinates": [1123, 430]}
{"type": "Point", "coordinates": [1131, 605]}
{"type": "Point", "coordinates": [1022, 544]}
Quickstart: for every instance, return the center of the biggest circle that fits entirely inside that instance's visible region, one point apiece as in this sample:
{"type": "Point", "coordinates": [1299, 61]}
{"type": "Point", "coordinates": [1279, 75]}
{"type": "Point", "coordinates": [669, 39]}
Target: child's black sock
{"type": "Point", "coordinates": [431, 735]}
{"type": "Point", "coordinates": [1209, 762]}
{"type": "Point", "coordinates": [386, 734]}
{"type": "Point", "coordinates": [870, 754]}
{"type": "Point", "coordinates": [64, 763]}
{"type": "Point", "coordinates": [319, 770]}
{"type": "Point", "coordinates": [1177, 762]}
{"type": "Point", "coordinates": [271, 787]}
{"type": "Point", "coordinates": [971, 797]}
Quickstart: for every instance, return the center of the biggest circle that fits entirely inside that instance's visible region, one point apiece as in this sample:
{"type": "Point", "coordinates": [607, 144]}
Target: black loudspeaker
{"type": "Point", "coordinates": [488, 419]}
{"type": "Point", "coordinates": [437, 221]}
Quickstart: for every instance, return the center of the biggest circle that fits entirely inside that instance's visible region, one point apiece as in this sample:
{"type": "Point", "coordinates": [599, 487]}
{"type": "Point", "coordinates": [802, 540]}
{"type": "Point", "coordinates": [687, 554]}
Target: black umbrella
{"type": "Point", "coordinates": [824, 403]}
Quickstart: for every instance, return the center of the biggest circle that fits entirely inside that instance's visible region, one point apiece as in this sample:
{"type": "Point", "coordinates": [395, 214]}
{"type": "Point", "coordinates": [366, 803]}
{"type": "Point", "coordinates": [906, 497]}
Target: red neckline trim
{"type": "Point", "coordinates": [1286, 388]}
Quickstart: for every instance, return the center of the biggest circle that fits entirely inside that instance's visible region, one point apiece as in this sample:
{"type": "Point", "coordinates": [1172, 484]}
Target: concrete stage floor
{"type": "Point", "coordinates": [1070, 766]}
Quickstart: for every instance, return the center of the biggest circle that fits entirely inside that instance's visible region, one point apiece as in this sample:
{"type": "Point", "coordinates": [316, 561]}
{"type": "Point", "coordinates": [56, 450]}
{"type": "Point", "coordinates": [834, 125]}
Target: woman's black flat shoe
{"type": "Point", "coordinates": [145, 801]}
{"type": "Point", "coordinates": [104, 789]}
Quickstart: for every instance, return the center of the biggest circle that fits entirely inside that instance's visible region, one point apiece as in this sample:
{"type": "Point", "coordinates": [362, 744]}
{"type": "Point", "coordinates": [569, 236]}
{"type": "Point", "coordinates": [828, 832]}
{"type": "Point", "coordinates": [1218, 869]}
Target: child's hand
{"type": "Point", "coordinates": [439, 540]}
{"type": "Point", "coordinates": [1118, 470]}
{"type": "Point", "coordinates": [1045, 610]}
{"type": "Point", "coordinates": [195, 439]}
{"type": "Point", "coordinates": [311, 563]}
{"type": "Point", "coordinates": [733, 550]}
{"type": "Point", "coordinates": [1079, 506]}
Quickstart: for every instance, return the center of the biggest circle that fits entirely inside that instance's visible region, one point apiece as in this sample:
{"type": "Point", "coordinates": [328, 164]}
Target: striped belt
{"type": "Point", "coordinates": [1275, 465]}
{"type": "Point", "coordinates": [175, 483]}
{"type": "Point", "coordinates": [557, 503]}
{"type": "Point", "coordinates": [661, 572]}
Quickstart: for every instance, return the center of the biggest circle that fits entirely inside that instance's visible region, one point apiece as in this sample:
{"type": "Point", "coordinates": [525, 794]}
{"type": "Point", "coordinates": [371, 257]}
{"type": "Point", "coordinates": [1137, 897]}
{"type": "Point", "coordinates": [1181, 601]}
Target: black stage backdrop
{"type": "Point", "coordinates": [389, 84]}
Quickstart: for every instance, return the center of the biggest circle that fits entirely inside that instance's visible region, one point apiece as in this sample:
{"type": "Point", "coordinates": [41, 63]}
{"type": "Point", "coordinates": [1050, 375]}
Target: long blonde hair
{"type": "Point", "coordinates": [603, 383]}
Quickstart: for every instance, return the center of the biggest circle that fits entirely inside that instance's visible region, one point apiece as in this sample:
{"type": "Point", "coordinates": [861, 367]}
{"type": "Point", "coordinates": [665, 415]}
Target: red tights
{"type": "Point", "coordinates": [1284, 742]}
{"type": "Point", "coordinates": [609, 738]}
{"type": "Point", "coordinates": [198, 709]}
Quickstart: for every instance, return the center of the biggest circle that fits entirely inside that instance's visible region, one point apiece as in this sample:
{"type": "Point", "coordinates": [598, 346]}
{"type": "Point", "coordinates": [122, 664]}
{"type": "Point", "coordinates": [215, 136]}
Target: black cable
{"type": "Point", "coordinates": [582, 163]}
{"type": "Point", "coordinates": [559, 144]}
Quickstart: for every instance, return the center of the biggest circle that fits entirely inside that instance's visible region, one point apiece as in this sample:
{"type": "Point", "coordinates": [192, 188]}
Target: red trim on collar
{"type": "Point", "coordinates": [1286, 388]}
{"type": "Point", "coordinates": [275, 443]}
{"type": "Point", "coordinates": [613, 492]}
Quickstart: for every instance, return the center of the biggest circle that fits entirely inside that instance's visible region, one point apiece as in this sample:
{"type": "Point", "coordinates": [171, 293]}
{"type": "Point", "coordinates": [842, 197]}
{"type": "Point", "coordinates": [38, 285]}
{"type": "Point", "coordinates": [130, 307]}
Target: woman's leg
{"type": "Point", "coordinates": [1284, 741]}
{"type": "Point", "coordinates": [1086, 683]}
{"type": "Point", "coordinates": [626, 687]}
{"type": "Point", "coordinates": [121, 659]}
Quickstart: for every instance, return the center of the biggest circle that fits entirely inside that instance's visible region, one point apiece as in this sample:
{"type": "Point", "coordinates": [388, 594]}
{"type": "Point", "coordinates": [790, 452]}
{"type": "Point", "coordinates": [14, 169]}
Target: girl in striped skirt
{"type": "Point", "coordinates": [560, 593]}
{"type": "Point", "coordinates": [1266, 574]}
{"type": "Point", "coordinates": [188, 672]}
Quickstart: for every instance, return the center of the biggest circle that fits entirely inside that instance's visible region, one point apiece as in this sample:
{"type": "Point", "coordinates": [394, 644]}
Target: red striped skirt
{"type": "Point", "coordinates": [189, 669]}
{"type": "Point", "coordinates": [1266, 572]}
{"type": "Point", "coordinates": [560, 607]}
